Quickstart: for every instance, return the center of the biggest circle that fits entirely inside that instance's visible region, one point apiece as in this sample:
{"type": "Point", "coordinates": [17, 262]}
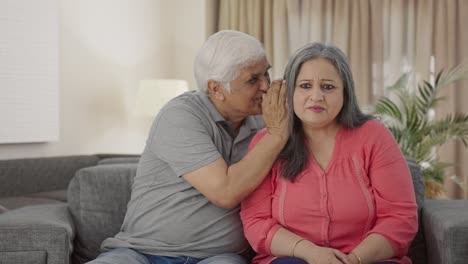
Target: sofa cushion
{"type": "Point", "coordinates": [98, 198]}
{"type": "Point", "coordinates": [29, 229]}
{"type": "Point", "coordinates": [15, 202]}
{"type": "Point", "coordinates": [3, 209]}
{"type": "Point", "coordinates": [59, 195]}
{"type": "Point", "coordinates": [33, 175]}
{"type": "Point", "coordinates": [24, 257]}
{"type": "Point", "coordinates": [418, 182]}
{"type": "Point", "coordinates": [417, 249]}
{"type": "Point", "coordinates": [446, 230]}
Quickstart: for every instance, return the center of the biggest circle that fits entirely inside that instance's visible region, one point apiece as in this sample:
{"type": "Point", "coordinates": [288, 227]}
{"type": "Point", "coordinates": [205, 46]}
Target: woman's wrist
{"type": "Point", "coordinates": [293, 251]}
{"type": "Point", "coordinates": [304, 248]}
{"type": "Point", "coordinates": [356, 259]}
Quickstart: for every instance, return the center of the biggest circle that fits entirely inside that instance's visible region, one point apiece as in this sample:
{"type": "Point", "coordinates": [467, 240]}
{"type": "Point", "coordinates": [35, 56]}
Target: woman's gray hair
{"type": "Point", "coordinates": [295, 155]}
{"type": "Point", "coordinates": [223, 55]}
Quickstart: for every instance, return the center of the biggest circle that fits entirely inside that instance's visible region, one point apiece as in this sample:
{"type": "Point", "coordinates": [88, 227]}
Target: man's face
{"type": "Point", "coordinates": [248, 88]}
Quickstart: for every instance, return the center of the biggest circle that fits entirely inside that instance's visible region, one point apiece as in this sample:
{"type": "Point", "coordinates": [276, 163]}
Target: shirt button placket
{"type": "Point", "coordinates": [326, 243]}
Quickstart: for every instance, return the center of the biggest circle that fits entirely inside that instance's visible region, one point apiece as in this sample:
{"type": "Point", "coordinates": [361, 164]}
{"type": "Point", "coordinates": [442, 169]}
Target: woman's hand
{"type": "Point", "coordinates": [323, 255]}
{"type": "Point", "coordinates": [314, 254]}
{"type": "Point", "coordinates": [353, 258]}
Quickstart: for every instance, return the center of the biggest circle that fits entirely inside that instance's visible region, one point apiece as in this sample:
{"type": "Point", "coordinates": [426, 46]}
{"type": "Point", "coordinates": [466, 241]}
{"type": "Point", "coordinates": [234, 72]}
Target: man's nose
{"type": "Point", "coordinates": [265, 84]}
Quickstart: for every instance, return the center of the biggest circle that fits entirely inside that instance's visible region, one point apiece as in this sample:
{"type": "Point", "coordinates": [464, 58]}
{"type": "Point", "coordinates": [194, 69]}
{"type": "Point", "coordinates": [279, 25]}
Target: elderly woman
{"type": "Point", "coordinates": [340, 191]}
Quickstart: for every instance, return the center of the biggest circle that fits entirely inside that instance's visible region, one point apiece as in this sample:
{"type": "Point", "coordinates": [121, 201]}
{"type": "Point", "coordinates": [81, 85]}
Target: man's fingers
{"type": "Point", "coordinates": [273, 92]}
{"type": "Point", "coordinates": [282, 95]}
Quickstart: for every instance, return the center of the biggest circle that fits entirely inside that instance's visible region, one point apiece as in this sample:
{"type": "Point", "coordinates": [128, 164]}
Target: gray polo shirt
{"type": "Point", "coordinates": [166, 215]}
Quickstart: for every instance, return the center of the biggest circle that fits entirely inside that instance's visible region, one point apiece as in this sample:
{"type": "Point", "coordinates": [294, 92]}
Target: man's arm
{"type": "Point", "coordinates": [226, 185]}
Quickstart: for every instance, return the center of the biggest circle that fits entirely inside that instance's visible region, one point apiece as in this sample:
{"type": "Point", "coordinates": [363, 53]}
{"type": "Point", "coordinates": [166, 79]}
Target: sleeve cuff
{"type": "Point", "coordinates": [398, 250]}
{"type": "Point", "coordinates": [269, 238]}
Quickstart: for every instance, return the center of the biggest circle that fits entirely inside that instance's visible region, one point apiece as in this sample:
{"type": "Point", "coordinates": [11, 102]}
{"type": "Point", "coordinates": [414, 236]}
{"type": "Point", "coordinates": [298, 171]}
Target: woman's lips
{"type": "Point", "coordinates": [317, 109]}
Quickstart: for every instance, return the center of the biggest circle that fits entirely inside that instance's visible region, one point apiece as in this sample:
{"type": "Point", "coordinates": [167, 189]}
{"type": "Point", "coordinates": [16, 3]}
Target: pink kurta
{"type": "Point", "coordinates": [366, 188]}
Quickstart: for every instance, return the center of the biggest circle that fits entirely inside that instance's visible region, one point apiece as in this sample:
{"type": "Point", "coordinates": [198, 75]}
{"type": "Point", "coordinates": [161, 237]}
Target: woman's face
{"type": "Point", "coordinates": [318, 94]}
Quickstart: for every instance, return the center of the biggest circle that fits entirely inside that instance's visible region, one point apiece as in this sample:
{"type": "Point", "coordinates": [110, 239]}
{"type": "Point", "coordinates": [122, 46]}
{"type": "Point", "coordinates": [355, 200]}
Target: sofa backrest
{"type": "Point", "coordinates": [33, 175]}
{"type": "Point", "coordinates": [417, 249]}
{"type": "Point", "coordinates": [98, 198]}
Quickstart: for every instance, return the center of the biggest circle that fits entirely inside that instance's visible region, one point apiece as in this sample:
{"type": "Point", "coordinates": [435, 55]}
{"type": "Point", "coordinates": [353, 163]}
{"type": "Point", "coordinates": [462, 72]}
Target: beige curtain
{"type": "Point", "coordinates": [382, 39]}
{"type": "Point", "coordinates": [284, 26]}
{"type": "Point", "coordinates": [347, 24]}
{"type": "Point", "coordinates": [450, 45]}
{"type": "Point", "coordinates": [264, 19]}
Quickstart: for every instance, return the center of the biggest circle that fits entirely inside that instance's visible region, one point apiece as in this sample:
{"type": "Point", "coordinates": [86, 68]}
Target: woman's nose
{"type": "Point", "coordinates": [316, 94]}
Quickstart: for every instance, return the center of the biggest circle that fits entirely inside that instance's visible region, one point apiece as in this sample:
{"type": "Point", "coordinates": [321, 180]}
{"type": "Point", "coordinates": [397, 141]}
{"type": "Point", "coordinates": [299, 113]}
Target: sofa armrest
{"type": "Point", "coordinates": [98, 198]}
{"type": "Point", "coordinates": [445, 224]}
{"type": "Point", "coordinates": [36, 234]}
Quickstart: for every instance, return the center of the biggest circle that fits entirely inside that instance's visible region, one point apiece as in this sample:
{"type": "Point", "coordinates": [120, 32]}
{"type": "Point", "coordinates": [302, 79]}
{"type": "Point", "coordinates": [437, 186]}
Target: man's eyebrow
{"type": "Point", "coordinates": [255, 75]}
{"type": "Point", "coordinates": [258, 74]}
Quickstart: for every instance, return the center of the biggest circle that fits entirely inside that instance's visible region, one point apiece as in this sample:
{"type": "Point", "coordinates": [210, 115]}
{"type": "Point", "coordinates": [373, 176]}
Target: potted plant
{"type": "Point", "coordinates": [408, 111]}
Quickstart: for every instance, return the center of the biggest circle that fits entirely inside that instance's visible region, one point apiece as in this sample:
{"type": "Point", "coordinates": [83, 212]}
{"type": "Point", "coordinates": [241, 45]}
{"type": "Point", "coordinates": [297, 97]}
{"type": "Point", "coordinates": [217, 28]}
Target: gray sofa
{"type": "Point", "coordinates": [35, 223]}
{"type": "Point", "coordinates": [97, 199]}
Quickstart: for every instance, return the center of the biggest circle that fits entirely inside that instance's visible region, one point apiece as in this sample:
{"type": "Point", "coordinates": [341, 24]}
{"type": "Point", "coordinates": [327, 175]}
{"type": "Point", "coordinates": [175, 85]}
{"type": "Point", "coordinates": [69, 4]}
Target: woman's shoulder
{"type": "Point", "coordinates": [373, 125]}
{"type": "Point", "coordinates": [260, 134]}
{"type": "Point", "coordinates": [371, 131]}
{"type": "Point", "coordinates": [370, 127]}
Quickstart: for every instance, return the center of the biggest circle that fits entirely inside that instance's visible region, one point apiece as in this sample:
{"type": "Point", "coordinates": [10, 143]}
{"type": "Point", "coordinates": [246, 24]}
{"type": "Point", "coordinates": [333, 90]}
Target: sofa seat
{"type": "Point", "coordinates": [37, 234]}
{"type": "Point", "coordinates": [24, 257]}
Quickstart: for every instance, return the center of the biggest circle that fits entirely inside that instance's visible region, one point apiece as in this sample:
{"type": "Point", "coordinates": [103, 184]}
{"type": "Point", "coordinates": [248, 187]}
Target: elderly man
{"type": "Point", "coordinates": [195, 169]}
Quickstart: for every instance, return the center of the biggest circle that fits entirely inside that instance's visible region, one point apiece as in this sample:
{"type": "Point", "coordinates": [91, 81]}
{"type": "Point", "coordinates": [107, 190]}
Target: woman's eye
{"type": "Point", "coordinates": [328, 87]}
{"type": "Point", "coordinates": [305, 85]}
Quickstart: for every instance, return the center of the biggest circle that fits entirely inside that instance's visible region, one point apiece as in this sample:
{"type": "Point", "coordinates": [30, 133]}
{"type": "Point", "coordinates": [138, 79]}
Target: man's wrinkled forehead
{"type": "Point", "coordinates": [255, 69]}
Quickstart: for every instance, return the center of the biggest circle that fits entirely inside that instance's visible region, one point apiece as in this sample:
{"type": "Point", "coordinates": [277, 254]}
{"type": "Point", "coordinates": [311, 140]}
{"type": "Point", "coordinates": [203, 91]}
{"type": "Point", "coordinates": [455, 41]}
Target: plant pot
{"type": "Point", "coordinates": [435, 190]}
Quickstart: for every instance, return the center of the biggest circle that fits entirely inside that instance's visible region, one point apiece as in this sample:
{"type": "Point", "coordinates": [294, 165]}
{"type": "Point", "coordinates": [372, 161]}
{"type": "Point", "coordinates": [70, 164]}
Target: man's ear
{"type": "Point", "coordinates": [216, 90]}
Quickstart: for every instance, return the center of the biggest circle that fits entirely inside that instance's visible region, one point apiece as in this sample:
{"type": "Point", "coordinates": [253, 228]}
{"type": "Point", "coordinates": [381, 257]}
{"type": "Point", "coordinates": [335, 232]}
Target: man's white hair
{"type": "Point", "coordinates": [223, 55]}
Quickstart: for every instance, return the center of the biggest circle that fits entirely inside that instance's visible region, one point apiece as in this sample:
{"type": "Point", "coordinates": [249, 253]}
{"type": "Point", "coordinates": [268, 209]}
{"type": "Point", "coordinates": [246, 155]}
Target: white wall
{"type": "Point", "coordinates": [106, 47]}
{"type": "Point", "coordinates": [29, 73]}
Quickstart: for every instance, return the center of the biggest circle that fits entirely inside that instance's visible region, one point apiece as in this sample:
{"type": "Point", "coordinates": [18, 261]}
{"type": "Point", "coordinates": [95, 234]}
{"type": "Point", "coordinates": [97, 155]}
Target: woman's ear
{"type": "Point", "coordinates": [216, 90]}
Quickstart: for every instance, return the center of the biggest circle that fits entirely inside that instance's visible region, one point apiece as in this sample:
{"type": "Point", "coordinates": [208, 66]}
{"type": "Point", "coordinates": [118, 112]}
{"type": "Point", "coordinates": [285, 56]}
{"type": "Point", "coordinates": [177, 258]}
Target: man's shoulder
{"type": "Point", "coordinates": [186, 107]}
{"type": "Point", "coordinates": [187, 100]}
